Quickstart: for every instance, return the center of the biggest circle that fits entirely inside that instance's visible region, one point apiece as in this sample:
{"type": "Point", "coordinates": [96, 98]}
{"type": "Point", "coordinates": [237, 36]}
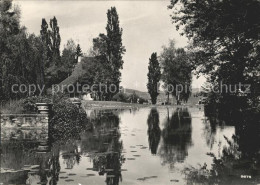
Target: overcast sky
{"type": "Point", "coordinates": [146, 27]}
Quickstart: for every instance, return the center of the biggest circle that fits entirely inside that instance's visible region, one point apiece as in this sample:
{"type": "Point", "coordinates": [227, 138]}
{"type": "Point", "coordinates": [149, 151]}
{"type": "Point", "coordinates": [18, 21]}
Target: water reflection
{"type": "Point", "coordinates": [28, 162]}
{"type": "Point", "coordinates": [31, 162]}
{"type": "Point", "coordinates": [102, 156]}
{"type": "Point", "coordinates": [154, 131]}
{"type": "Point", "coordinates": [176, 136]}
{"type": "Point", "coordinates": [209, 132]}
{"type": "Point", "coordinates": [108, 159]}
{"type": "Point", "coordinates": [239, 162]}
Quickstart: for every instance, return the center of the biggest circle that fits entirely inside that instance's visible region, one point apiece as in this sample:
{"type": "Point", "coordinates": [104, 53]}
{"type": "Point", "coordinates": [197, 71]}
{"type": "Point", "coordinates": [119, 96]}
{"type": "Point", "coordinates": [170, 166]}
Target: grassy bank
{"type": "Point", "coordinates": [96, 105]}
{"type": "Point", "coordinates": [19, 107]}
{"type": "Point", "coordinates": [110, 105]}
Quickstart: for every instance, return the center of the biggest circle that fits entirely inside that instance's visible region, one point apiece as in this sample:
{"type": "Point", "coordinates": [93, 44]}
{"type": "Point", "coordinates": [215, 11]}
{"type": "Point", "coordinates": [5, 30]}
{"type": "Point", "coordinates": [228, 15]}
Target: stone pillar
{"type": "Point", "coordinates": [44, 108]}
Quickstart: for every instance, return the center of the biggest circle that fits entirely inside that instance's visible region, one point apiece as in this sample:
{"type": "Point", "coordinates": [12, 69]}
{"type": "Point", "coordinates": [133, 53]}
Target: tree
{"type": "Point", "coordinates": [224, 38]}
{"type": "Point", "coordinates": [154, 75]}
{"type": "Point", "coordinates": [55, 40]}
{"type": "Point", "coordinates": [108, 50]}
{"type": "Point", "coordinates": [38, 59]}
{"type": "Point", "coordinates": [78, 53]}
{"type": "Point", "coordinates": [20, 56]}
{"type": "Point", "coordinates": [100, 46]}
{"type": "Point", "coordinates": [9, 27]}
{"type": "Point", "coordinates": [46, 43]}
{"type": "Point", "coordinates": [51, 55]}
{"type": "Point", "coordinates": [95, 75]}
{"type": "Point", "coordinates": [68, 60]}
{"type": "Point", "coordinates": [115, 48]}
{"type": "Point", "coordinates": [176, 72]}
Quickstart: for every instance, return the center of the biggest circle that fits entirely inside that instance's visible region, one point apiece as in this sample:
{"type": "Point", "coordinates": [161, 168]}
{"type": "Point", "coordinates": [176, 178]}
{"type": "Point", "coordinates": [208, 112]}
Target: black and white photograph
{"type": "Point", "coordinates": [130, 92]}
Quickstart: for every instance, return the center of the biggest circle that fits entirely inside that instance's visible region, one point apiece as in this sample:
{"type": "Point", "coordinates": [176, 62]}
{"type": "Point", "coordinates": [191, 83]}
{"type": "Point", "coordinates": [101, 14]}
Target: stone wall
{"type": "Point", "coordinates": [24, 127]}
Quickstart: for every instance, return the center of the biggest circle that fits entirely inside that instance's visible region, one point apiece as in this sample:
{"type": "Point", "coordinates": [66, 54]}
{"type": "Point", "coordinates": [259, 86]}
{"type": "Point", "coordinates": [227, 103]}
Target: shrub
{"type": "Point", "coordinates": [134, 98]}
{"type": "Point", "coordinates": [68, 120]}
{"type": "Point", "coordinates": [29, 103]}
{"type": "Point", "coordinates": [122, 97]}
{"type": "Point", "coordinates": [142, 100]}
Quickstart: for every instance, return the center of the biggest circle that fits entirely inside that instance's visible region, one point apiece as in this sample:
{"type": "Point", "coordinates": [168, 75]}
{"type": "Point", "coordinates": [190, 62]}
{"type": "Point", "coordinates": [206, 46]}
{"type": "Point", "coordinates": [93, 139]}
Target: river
{"type": "Point", "coordinates": [176, 145]}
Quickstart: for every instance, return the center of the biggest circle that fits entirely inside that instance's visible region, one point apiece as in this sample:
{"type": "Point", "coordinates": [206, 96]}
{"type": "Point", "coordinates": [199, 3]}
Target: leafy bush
{"type": "Point", "coordinates": [142, 100]}
{"type": "Point", "coordinates": [122, 97]}
{"type": "Point", "coordinates": [29, 103]}
{"type": "Point", "coordinates": [68, 120]}
{"type": "Point", "coordinates": [134, 98]}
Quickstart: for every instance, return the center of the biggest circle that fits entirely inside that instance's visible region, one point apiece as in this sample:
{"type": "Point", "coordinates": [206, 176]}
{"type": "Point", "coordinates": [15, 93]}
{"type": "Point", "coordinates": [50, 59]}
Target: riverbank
{"type": "Point", "coordinates": [97, 105]}
{"type": "Point", "coordinates": [19, 107]}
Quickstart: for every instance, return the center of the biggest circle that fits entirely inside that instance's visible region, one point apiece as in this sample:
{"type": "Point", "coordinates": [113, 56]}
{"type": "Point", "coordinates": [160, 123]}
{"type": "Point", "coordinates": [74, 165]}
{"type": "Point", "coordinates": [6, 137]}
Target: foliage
{"type": "Point", "coordinates": [69, 59]}
{"type": "Point", "coordinates": [78, 52]}
{"type": "Point", "coordinates": [132, 98]}
{"type": "Point", "coordinates": [20, 57]}
{"type": "Point", "coordinates": [54, 40]}
{"type": "Point", "coordinates": [68, 120]}
{"type": "Point", "coordinates": [224, 38]}
{"type": "Point", "coordinates": [154, 75]}
{"type": "Point", "coordinates": [129, 98]}
{"type": "Point", "coordinates": [142, 100]}
{"type": "Point", "coordinates": [176, 71]}
{"type": "Point", "coordinates": [29, 103]}
{"type": "Point", "coordinates": [121, 97]}
{"type": "Point", "coordinates": [115, 48]}
{"type": "Point", "coordinates": [51, 44]}
{"type": "Point", "coordinates": [107, 51]}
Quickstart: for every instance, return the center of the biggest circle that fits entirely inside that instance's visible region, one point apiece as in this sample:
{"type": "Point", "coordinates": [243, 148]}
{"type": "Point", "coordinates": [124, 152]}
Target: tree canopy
{"type": "Point", "coordinates": [224, 37]}
{"type": "Point", "coordinates": [176, 71]}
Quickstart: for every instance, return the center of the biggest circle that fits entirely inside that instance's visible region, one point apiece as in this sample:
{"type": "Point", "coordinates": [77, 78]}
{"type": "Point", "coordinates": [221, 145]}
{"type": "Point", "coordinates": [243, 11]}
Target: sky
{"type": "Point", "coordinates": [146, 27]}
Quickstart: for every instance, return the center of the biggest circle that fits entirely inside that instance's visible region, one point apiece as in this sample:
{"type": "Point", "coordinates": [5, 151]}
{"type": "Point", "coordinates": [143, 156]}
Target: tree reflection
{"type": "Point", "coordinates": [105, 147]}
{"type": "Point", "coordinates": [102, 145]}
{"type": "Point", "coordinates": [176, 137]}
{"type": "Point", "coordinates": [240, 160]}
{"type": "Point", "coordinates": [25, 160]}
{"type": "Point", "coordinates": [209, 132]}
{"type": "Point", "coordinates": [70, 153]}
{"type": "Point", "coordinates": [154, 131]}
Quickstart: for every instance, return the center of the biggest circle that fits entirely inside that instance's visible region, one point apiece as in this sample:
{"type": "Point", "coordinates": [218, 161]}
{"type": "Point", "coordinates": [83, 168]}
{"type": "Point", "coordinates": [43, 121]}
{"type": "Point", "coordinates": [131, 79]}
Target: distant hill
{"type": "Point", "coordinates": [144, 95]}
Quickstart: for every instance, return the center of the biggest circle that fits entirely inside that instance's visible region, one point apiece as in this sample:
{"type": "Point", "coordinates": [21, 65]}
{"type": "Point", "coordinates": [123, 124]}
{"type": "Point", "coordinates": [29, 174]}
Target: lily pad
{"type": "Point", "coordinates": [69, 180]}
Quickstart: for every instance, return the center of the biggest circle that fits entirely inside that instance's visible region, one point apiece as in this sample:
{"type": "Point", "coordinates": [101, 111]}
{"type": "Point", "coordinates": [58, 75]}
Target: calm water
{"type": "Point", "coordinates": [145, 146]}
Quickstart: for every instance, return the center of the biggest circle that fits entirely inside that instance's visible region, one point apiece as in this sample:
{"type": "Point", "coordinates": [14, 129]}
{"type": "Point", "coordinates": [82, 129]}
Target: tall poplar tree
{"type": "Point", "coordinates": [115, 48]}
{"type": "Point", "coordinates": [52, 60]}
{"type": "Point", "coordinates": [55, 40]}
{"type": "Point", "coordinates": [154, 75]}
{"type": "Point", "coordinates": [46, 55]}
